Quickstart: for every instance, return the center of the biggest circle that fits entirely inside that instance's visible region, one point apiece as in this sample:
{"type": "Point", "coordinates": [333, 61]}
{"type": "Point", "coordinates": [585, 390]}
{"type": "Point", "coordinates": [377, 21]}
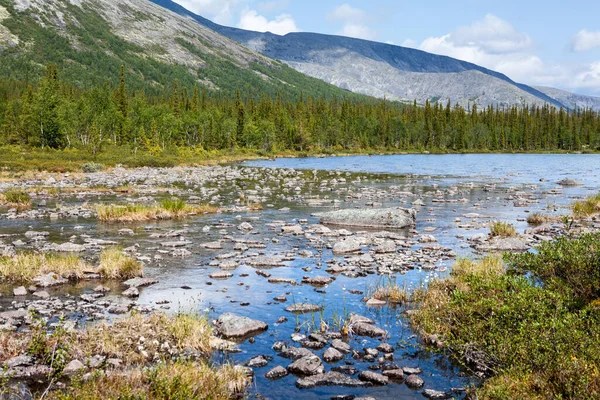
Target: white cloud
{"type": "Point", "coordinates": [585, 40]}
{"type": "Point", "coordinates": [495, 44]}
{"type": "Point", "coordinates": [346, 12]}
{"type": "Point", "coordinates": [353, 20]}
{"type": "Point", "coordinates": [253, 21]}
{"type": "Point", "coordinates": [409, 43]}
{"type": "Point", "coordinates": [273, 6]}
{"type": "Point", "coordinates": [220, 11]}
{"type": "Point", "coordinates": [492, 35]}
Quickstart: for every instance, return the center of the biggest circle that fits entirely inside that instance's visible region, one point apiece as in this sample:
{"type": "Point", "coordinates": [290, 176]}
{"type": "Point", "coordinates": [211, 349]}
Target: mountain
{"type": "Point", "coordinates": [90, 39]}
{"type": "Point", "coordinates": [382, 70]}
{"type": "Point", "coordinates": [571, 100]}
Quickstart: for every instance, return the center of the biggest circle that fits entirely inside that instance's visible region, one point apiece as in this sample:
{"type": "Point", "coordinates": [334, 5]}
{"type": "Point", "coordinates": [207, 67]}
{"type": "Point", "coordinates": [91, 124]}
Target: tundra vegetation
{"type": "Point", "coordinates": [530, 325]}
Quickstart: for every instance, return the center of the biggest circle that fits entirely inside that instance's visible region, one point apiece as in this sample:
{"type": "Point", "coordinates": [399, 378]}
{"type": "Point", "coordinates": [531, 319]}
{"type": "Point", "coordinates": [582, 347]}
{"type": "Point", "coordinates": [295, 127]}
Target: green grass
{"type": "Point", "coordinates": [23, 267]}
{"type": "Point", "coordinates": [533, 328]}
{"type": "Point", "coordinates": [502, 229]}
{"type": "Point", "coordinates": [589, 206]}
{"type": "Point", "coordinates": [114, 264]}
{"type": "Point", "coordinates": [539, 219]}
{"type": "Point", "coordinates": [17, 198]}
{"type": "Point", "coordinates": [168, 209]}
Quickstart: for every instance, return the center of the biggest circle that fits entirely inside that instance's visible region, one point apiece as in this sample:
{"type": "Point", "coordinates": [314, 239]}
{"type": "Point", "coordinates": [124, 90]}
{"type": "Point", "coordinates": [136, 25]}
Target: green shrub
{"type": "Point", "coordinates": [92, 167]}
{"type": "Point", "coordinates": [16, 196]}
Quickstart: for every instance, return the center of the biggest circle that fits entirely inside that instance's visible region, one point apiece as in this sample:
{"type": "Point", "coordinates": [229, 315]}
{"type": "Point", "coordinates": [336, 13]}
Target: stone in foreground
{"type": "Point", "coordinates": [237, 327]}
{"type": "Point", "coordinates": [383, 218]}
{"type": "Point", "coordinates": [309, 365]}
{"type": "Point", "coordinates": [330, 379]}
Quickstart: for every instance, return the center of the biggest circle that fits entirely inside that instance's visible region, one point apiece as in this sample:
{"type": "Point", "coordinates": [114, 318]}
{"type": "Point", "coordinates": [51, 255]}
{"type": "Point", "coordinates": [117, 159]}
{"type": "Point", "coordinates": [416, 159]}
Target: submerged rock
{"type": "Point", "coordinates": [330, 379]}
{"type": "Point", "coordinates": [390, 218]}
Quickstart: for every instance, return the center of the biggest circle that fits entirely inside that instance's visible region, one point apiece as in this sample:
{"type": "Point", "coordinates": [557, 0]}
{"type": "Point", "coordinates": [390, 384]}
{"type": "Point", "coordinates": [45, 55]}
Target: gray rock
{"type": "Point", "coordinates": [50, 279]}
{"type": "Point", "coordinates": [309, 365]}
{"type": "Point", "coordinates": [220, 275]}
{"type": "Point", "coordinates": [19, 361]}
{"type": "Point", "coordinates": [412, 371]}
{"type": "Point", "coordinates": [303, 308]}
{"type": "Point", "coordinates": [504, 245]}
{"type": "Point", "coordinates": [41, 294]}
{"type": "Point", "coordinates": [364, 329]}
{"type": "Point", "coordinates": [395, 374]}
{"type": "Point", "coordinates": [131, 292]}
{"type": "Point", "coordinates": [140, 282]}
{"type": "Point", "coordinates": [347, 246]}
{"type": "Point", "coordinates": [318, 280]}
{"type": "Point", "coordinates": [74, 367]}
{"type": "Point", "coordinates": [257, 362]}
{"type": "Point", "coordinates": [330, 379]}
{"type": "Point", "coordinates": [230, 325]}
{"type": "Point", "coordinates": [382, 218]}
{"type": "Point", "coordinates": [373, 377]}
{"type": "Point", "coordinates": [20, 291]}
{"type": "Point", "coordinates": [414, 382]}
{"type": "Point", "coordinates": [332, 355]}
{"type": "Point", "coordinates": [341, 346]}
{"type": "Point", "coordinates": [436, 394]}
{"type": "Point", "coordinates": [295, 353]}
{"type": "Point", "coordinates": [276, 373]}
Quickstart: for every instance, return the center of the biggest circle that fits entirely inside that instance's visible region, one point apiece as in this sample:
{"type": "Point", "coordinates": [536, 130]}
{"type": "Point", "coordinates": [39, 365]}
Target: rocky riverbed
{"type": "Point", "coordinates": [289, 282]}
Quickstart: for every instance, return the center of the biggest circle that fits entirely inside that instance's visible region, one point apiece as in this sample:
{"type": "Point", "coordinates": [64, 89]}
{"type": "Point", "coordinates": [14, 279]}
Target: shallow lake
{"type": "Point", "coordinates": [450, 187]}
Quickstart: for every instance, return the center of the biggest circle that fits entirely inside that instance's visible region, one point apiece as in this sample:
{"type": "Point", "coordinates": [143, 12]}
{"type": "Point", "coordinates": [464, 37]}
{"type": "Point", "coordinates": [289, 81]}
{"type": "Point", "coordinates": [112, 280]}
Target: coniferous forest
{"type": "Point", "coordinates": [56, 114]}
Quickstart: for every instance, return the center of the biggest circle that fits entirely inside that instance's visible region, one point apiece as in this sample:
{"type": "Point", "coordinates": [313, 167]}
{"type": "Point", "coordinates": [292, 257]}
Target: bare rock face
{"type": "Point", "coordinates": [237, 327]}
{"type": "Point", "coordinates": [382, 218]}
{"type": "Point", "coordinates": [503, 245]}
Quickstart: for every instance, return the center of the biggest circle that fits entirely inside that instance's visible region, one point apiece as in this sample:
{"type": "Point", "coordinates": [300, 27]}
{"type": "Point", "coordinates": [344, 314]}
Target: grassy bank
{"type": "Point", "coordinates": [19, 159]}
{"type": "Point", "coordinates": [531, 326]}
{"type": "Point", "coordinates": [146, 347]}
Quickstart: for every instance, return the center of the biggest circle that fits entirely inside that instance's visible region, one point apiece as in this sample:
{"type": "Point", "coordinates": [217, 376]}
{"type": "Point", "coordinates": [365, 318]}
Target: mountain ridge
{"type": "Point", "coordinates": [388, 70]}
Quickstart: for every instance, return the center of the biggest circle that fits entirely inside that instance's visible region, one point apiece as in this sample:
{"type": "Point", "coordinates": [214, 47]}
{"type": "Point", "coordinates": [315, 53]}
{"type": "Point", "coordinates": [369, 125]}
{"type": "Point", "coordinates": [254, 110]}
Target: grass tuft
{"type": "Point", "coordinates": [390, 291]}
{"type": "Point", "coordinates": [502, 229]}
{"type": "Point", "coordinates": [114, 264]}
{"type": "Point", "coordinates": [16, 198]}
{"type": "Point", "coordinates": [589, 206]}
{"type": "Point", "coordinates": [168, 209]}
{"type": "Point", "coordinates": [539, 219]}
{"type": "Point", "coordinates": [25, 266]}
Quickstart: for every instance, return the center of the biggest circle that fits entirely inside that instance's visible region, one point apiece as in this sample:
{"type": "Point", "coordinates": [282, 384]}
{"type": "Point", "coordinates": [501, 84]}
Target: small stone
{"type": "Point", "coordinates": [20, 291]}
{"type": "Point", "coordinates": [436, 394]}
{"type": "Point", "coordinates": [276, 373]}
{"type": "Point", "coordinates": [414, 382]}
{"type": "Point", "coordinates": [131, 292]}
{"type": "Point", "coordinates": [332, 355]}
{"type": "Point", "coordinates": [373, 377]}
{"type": "Point", "coordinates": [42, 294]}
{"type": "Point", "coordinates": [73, 368]}
{"type": "Point", "coordinates": [395, 374]}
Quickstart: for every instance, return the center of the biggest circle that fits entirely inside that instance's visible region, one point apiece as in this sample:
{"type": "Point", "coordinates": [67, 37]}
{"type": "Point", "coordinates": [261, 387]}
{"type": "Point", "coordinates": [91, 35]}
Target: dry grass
{"type": "Point", "coordinates": [167, 210]}
{"type": "Point", "coordinates": [390, 292]}
{"type": "Point", "coordinates": [11, 345]}
{"type": "Point", "coordinates": [114, 264]}
{"type": "Point", "coordinates": [539, 219]}
{"type": "Point", "coordinates": [25, 266]}
{"type": "Point", "coordinates": [588, 207]}
{"type": "Point", "coordinates": [121, 340]}
{"type": "Point", "coordinates": [255, 206]}
{"type": "Point", "coordinates": [502, 229]}
{"type": "Point", "coordinates": [177, 381]}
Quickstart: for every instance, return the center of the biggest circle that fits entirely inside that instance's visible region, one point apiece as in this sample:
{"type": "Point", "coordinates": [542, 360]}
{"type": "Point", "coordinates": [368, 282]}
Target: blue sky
{"type": "Point", "coordinates": [551, 43]}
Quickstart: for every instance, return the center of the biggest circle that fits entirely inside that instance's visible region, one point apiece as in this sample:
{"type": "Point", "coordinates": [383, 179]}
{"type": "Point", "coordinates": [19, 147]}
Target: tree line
{"type": "Point", "coordinates": [57, 114]}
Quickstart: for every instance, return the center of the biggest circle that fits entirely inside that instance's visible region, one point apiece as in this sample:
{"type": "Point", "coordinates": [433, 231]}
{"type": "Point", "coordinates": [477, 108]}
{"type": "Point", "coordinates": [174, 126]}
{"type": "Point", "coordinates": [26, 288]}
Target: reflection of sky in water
{"type": "Point", "coordinates": [500, 172]}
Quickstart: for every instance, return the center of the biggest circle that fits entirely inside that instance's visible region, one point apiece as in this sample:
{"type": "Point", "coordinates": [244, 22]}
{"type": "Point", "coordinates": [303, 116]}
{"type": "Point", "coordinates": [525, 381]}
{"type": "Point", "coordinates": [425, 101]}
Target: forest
{"type": "Point", "coordinates": [59, 115]}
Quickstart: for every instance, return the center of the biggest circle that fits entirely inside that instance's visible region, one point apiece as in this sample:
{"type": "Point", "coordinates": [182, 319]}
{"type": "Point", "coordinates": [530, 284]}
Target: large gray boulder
{"type": "Point", "coordinates": [232, 326]}
{"type": "Point", "coordinates": [309, 365]}
{"type": "Point", "coordinates": [382, 218]}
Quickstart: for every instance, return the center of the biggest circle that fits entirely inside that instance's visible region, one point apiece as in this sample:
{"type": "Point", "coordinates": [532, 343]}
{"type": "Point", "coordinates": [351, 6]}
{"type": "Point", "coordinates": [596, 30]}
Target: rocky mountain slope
{"type": "Point", "coordinates": [383, 70]}
{"type": "Point", "coordinates": [91, 39]}
{"type": "Point", "coordinates": [571, 100]}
